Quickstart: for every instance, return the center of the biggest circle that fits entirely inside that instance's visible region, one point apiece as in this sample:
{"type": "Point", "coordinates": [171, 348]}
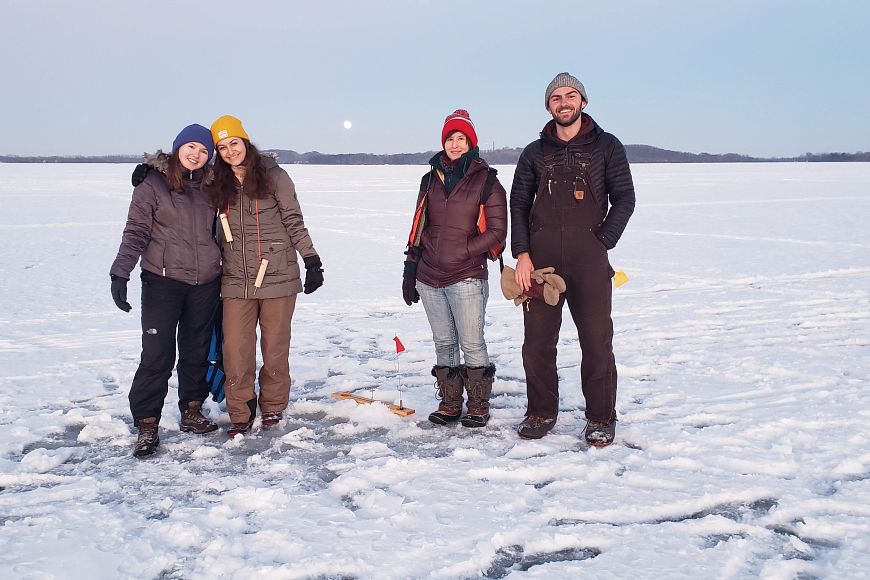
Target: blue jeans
{"type": "Point", "coordinates": [456, 315]}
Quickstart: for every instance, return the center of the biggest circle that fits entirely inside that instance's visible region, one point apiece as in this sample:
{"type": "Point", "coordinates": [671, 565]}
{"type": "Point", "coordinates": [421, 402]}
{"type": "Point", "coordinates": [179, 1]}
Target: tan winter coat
{"type": "Point", "coordinates": [271, 228]}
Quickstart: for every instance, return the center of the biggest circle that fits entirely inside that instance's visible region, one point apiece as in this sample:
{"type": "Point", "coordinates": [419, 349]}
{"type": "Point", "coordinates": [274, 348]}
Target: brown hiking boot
{"type": "Point", "coordinates": [193, 421]}
{"type": "Point", "coordinates": [600, 433]}
{"type": "Point", "coordinates": [448, 383]}
{"type": "Point", "coordinates": [148, 440]}
{"type": "Point", "coordinates": [271, 419]}
{"type": "Point", "coordinates": [535, 427]}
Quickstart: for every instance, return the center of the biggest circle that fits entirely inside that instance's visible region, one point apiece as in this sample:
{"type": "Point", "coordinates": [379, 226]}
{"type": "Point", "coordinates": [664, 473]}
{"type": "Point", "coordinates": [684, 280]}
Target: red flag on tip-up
{"type": "Point", "coordinates": [399, 346]}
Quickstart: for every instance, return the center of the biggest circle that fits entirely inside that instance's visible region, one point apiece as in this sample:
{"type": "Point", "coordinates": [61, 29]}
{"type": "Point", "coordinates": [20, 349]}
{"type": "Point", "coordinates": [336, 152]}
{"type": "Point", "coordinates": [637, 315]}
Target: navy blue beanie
{"type": "Point", "coordinates": [195, 133]}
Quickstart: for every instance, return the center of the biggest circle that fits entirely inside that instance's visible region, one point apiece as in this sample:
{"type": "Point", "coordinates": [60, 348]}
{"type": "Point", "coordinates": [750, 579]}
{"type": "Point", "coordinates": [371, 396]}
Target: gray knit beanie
{"type": "Point", "coordinates": [564, 80]}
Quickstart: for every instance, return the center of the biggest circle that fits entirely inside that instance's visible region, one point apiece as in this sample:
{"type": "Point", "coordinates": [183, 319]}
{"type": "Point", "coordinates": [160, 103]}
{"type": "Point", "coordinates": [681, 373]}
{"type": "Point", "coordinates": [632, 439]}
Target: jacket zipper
{"type": "Point", "coordinates": [242, 227]}
{"type": "Point", "coordinates": [196, 246]}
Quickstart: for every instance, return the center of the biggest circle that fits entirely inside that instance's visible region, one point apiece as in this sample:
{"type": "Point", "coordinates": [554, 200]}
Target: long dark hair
{"type": "Point", "coordinates": [258, 184]}
{"type": "Point", "coordinates": [174, 172]}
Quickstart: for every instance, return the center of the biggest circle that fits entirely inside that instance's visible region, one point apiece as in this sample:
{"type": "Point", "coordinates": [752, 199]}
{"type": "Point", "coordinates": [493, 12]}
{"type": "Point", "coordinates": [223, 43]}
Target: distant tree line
{"type": "Point", "coordinates": [70, 159]}
{"type": "Point", "coordinates": [503, 156]}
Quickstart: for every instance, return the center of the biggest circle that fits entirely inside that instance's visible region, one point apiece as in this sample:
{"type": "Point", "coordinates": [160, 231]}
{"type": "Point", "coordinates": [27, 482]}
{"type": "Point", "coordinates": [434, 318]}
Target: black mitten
{"type": "Point", "coordinates": [119, 293]}
{"type": "Point", "coordinates": [139, 174]}
{"type": "Point", "coordinates": [313, 274]}
{"type": "Point", "coordinates": [409, 283]}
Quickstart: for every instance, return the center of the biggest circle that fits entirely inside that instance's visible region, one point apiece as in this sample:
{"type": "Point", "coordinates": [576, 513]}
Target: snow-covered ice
{"type": "Point", "coordinates": [742, 451]}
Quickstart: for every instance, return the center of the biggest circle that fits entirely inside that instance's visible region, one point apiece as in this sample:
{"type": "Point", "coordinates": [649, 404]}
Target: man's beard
{"type": "Point", "coordinates": [571, 120]}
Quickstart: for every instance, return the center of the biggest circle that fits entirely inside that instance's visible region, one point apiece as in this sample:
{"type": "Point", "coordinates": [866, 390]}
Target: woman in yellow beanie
{"type": "Point", "coordinates": [263, 233]}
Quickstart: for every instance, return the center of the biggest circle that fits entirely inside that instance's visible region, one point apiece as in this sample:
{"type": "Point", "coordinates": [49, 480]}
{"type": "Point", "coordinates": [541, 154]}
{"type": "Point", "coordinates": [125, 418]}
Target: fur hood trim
{"type": "Point", "coordinates": [160, 161]}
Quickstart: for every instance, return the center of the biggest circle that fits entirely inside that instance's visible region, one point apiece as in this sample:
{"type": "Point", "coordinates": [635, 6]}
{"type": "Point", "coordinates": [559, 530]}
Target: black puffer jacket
{"type": "Point", "coordinates": [451, 247]}
{"type": "Point", "coordinates": [170, 230]}
{"type": "Point", "coordinates": [608, 177]}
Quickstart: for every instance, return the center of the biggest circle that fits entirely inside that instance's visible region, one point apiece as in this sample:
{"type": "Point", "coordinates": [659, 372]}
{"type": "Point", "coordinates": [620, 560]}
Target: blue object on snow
{"type": "Point", "coordinates": [215, 376]}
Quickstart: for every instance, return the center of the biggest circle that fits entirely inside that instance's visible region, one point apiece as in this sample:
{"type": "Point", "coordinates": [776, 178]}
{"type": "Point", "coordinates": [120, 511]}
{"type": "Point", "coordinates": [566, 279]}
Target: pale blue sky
{"type": "Point", "coordinates": [762, 77]}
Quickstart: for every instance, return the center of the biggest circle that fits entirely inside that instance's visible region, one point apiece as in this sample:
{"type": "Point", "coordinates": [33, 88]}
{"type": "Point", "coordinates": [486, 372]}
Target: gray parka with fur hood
{"type": "Point", "coordinates": [172, 231]}
{"type": "Point", "coordinates": [271, 228]}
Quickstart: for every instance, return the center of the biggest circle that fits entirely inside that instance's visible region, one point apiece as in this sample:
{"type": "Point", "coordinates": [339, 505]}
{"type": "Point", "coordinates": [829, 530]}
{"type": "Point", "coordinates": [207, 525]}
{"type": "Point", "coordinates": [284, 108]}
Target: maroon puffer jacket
{"type": "Point", "coordinates": [452, 247]}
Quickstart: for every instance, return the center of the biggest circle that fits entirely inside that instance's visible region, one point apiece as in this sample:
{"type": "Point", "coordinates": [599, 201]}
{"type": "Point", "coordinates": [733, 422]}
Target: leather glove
{"type": "Point", "coordinates": [550, 284]}
{"type": "Point", "coordinates": [139, 174]}
{"type": "Point", "coordinates": [546, 285]}
{"type": "Point", "coordinates": [409, 283]}
{"type": "Point", "coordinates": [119, 293]}
{"type": "Point", "coordinates": [313, 274]}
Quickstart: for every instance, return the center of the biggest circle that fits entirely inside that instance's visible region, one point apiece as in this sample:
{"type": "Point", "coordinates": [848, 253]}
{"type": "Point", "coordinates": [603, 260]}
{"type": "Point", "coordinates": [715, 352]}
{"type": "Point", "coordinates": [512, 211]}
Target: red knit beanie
{"type": "Point", "coordinates": [459, 120]}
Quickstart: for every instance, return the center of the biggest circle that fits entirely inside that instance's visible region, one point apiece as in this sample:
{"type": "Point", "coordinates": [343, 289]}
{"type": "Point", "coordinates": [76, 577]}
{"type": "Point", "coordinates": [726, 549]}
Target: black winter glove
{"type": "Point", "coordinates": [139, 174]}
{"type": "Point", "coordinates": [409, 283]}
{"type": "Point", "coordinates": [313, 274]}
{"type": "Point", "coordinates": [119, 293]}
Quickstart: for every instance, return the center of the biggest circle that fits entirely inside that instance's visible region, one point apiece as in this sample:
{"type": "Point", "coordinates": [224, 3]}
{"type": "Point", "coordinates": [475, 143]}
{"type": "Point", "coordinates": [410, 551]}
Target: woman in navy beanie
{"type": "Point", "coordinates": [170, 227]}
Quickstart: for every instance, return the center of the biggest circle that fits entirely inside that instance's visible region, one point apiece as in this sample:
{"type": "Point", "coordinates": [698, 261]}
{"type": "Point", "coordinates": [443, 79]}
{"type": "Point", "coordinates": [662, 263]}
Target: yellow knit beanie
{"type": "Point", "coordinates": [227, 126]}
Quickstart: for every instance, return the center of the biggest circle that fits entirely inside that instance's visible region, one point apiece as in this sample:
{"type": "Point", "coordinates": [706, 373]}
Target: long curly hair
{"type": "Point", "coordinates": [257, 184]}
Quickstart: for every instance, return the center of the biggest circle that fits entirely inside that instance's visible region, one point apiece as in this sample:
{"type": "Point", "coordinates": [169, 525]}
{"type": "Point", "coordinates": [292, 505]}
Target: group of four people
{"type": "Point", "coordinates": [231, 232]}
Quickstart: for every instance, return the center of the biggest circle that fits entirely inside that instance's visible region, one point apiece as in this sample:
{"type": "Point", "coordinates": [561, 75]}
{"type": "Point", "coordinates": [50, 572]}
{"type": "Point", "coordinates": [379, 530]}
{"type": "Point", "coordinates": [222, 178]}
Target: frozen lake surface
{"type": "Point", "coordinates": [742, 451]}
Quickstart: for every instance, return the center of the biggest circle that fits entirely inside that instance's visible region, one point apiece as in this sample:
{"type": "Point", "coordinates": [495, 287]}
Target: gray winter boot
{"type": "Point", "coordinates": [448, 382]}
{"type": "Point", "coordinates": [478, 384]}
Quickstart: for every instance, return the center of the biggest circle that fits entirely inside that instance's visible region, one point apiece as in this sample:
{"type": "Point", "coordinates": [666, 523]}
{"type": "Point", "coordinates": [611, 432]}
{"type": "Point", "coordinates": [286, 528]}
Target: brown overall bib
{"type": "Point", "coordinates": [564, 220]}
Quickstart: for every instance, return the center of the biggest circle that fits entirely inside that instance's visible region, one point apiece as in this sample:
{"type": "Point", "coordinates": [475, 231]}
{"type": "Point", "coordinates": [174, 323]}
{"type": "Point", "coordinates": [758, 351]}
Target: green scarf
{"type": "Point", "coordinates": [453, 171]}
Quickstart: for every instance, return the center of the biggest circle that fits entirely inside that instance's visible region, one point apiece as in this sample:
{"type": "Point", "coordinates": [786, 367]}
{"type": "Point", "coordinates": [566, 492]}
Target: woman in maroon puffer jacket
{"type": "Point", "coordinates": [453, 232]}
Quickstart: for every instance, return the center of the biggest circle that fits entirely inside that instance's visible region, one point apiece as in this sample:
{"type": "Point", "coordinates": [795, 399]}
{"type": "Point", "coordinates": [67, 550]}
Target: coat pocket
{"type": "Point", "coordinates": [279, 262]}
{"type": "Point", "coordinates": [155, 254]}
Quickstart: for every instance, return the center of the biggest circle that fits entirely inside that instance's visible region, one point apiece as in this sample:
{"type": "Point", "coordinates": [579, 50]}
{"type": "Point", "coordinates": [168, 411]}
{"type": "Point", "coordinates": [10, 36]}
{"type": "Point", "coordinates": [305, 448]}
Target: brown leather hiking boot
{"type": "Point", "coordinates": [271, 419]}
{"type": "Point", "coordinates": [600, 433]}
{"type": "Point", "coordinates": [193, 421]}
{"type": "Point", "coordinates": [448, 383]}
{"type": "Point", "coordinates": [535, 427]}
{"type": "Point", "coordinates": [148, 440]}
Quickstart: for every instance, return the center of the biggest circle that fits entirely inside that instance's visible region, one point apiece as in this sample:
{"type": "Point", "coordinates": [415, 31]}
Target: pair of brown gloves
{"type": "Point", "coordinates": [546, 285]}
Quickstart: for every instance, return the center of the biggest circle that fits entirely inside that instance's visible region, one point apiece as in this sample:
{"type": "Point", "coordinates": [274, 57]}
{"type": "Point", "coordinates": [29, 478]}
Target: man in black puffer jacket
{"type": "Point", "coordinates": [571, 199]}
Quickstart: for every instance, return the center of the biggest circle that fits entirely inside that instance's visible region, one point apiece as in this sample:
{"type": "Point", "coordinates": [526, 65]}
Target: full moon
{"type": "Point", "coordinates": [348, 124]}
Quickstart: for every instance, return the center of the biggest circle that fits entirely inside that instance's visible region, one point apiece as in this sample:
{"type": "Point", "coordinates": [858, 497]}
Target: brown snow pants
{"type": "Point", "coordinates": [564, 220]}
{"type": "Point", "coordinates": [240, 355]}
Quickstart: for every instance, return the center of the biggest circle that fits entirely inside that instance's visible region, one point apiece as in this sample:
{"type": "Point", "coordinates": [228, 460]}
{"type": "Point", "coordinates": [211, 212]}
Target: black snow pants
{"type": "Point", "coordinates": [563, 224]}
{"type": "Point", "coordinates": [170, 307]}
